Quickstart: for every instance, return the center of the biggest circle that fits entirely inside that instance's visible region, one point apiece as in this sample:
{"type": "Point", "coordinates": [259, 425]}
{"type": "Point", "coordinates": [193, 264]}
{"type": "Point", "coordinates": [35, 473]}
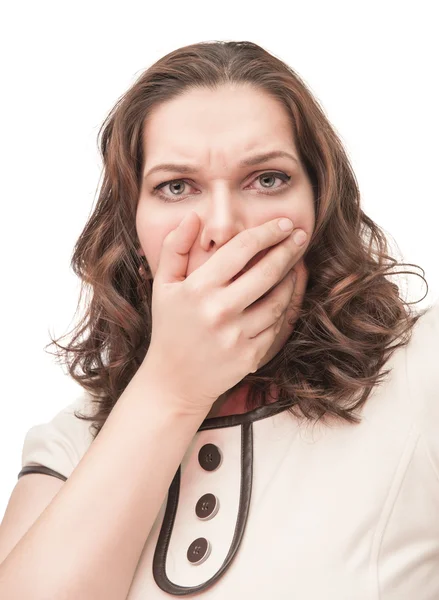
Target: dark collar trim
{"type": "Point", "coordinates": [261, 412]}
{"type": "Point", "coordinates": [159, 560]}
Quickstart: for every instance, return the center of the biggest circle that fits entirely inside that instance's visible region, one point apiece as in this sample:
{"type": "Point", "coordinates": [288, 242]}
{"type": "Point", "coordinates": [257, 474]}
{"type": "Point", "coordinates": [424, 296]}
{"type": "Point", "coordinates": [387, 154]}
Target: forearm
{"type": "Point", "coordinates": [88, 541]}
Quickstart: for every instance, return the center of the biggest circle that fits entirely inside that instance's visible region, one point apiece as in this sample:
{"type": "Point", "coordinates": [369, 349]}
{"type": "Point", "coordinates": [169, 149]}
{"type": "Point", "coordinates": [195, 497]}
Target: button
{"type": "Point", "coordinates": [207, 507]}
{"type": "Point", "coordinates": [210, 457]}
{"type": "Point", "coordinates": [198, 551]}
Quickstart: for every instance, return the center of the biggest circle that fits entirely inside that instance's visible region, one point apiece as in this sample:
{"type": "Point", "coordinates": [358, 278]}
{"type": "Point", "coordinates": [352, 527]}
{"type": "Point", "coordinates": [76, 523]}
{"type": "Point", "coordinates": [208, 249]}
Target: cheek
{"type": "Point", "coordinates": [151, 239]}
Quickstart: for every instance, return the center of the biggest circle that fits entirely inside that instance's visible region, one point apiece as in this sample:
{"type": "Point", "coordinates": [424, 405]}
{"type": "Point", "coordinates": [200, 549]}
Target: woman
{"type": "Point", "coordinates": [262, 407]}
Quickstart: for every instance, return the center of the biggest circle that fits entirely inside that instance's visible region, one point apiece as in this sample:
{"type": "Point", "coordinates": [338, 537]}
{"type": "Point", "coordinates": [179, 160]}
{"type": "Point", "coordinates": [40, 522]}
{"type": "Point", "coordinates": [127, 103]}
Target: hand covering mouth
{"type": "Point", "coordinates": [251, 262]}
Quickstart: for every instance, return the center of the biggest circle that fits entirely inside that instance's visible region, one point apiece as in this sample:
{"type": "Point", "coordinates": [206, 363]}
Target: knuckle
{"type": "Point", "coordinates": [246, 239]}
{"type": "Point", "coordinates": [271, 270]}
{"type": "Point", "coordinates": [231, 338]}
{"type": "Point", "coordinates": [277, 309]}
{"type": "Point", "coordinates": [222, 313]}
{"type": "Point", "coordinates": [210, 316]}
{"type": "Point", "coordinates": [214, 314]}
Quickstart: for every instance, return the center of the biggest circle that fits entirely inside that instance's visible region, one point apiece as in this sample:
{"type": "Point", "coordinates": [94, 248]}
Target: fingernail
{"type": "Point", "coordinates": [285, 224]}
{"type": "Point", "coordinates": [299, 237]}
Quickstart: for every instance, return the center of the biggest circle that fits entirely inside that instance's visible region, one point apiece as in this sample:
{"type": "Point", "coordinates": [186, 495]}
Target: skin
{"type": "Point", "coordinates": [216, 129]}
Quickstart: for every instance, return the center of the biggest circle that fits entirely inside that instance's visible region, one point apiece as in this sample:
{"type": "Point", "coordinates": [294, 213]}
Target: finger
{"type": "Point", "coordinates": [270, 309]}
{"type": "Point", "coordinates": [266, 274]}
{"type": "Point", "coordinates": [232, 257]}
{"type": "Point", "coordinates": [174, 255]}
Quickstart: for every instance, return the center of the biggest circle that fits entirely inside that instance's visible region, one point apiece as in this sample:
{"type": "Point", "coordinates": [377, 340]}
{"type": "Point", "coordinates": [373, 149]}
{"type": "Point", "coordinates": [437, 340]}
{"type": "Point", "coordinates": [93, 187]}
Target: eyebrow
{"type": "Point", "coordinates": [246, 162]}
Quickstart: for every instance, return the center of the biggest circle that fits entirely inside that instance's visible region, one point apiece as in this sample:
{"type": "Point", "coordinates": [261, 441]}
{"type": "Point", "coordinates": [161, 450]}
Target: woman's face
{"type": "Point", "coordinates": [214, 131]}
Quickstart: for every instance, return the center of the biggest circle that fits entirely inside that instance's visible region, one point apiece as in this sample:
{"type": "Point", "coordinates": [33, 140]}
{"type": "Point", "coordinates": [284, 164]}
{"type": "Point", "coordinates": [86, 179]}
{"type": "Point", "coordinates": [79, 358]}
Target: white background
{"type": "Point", "coordinates": [372, 65]}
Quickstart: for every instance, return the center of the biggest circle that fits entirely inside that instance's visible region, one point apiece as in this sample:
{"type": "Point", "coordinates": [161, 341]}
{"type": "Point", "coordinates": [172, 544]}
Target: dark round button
{"type": "Point", "coordinates": [198, 551]}
{"type": "Point", "coordinates": [207, 506]}
{"type": "Point", "coordinates": [210, 457]}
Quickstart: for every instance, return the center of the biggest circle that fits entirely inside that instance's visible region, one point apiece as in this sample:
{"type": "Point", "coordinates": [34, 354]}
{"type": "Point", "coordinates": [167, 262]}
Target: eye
{"type": "Point", "coordinates": [283, 177]}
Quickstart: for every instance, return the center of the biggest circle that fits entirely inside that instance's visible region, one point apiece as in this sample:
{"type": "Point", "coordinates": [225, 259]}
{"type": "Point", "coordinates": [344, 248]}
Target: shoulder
{"type": "Point", "coordinates": [422, 367]}
{"type": "Point", "coordinates": [60, 443]}
{"type": "Point", "coordinates": [422, 353]}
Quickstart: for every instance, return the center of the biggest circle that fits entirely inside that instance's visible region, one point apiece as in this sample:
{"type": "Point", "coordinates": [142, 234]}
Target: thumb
{"type": "Point", "coordinates": [173, 261]}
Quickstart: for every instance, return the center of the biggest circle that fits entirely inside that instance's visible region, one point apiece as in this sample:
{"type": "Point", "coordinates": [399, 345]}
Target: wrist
{"type": "Point", "coordinates": [163, 395]}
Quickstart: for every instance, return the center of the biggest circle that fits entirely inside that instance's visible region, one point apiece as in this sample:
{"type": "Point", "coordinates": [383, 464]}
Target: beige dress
{"type": "Point", "coordinates": [262, 506]}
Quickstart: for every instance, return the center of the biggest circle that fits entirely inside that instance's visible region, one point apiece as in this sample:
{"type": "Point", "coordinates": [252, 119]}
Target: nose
{"type": "Point", "coordinates": [221, 224]}
{"type": "Point", "coordinates": [226, 213]}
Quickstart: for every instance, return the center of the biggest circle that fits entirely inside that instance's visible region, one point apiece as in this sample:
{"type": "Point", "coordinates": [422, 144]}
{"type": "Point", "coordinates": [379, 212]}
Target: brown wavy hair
{"type": "Point", "coordinates": [351, 313]}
